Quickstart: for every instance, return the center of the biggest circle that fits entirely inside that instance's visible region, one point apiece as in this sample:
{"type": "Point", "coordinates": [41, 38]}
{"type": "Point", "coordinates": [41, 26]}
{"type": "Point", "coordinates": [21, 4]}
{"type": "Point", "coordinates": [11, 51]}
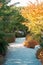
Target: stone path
{"type": "Point", "coordinates": [19, 55]}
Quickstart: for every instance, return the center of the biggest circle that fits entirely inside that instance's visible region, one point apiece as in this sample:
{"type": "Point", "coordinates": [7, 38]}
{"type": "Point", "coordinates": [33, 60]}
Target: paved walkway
{"type": "Point", "coordinates": [19, 55]}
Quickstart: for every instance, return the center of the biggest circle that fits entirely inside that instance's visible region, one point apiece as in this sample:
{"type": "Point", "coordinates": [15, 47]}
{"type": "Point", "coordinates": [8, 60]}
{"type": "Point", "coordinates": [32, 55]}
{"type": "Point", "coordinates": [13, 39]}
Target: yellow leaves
{"type": "Point", "coordinates": [34, 13]}
{"type": "Point", "coordinates": [37, 11]}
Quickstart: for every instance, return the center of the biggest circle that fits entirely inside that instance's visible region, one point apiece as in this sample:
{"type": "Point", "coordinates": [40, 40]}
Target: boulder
{"type": "Point", "coordinates": [31, 43]}
{"type": "Point", "coordinates": [39, 54]}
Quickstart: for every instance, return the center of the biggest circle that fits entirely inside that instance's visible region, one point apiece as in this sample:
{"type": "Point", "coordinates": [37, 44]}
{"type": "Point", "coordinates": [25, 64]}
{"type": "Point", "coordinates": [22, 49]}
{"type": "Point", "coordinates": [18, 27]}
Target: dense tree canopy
{"type": "Point", "coordinates": [11, 19]}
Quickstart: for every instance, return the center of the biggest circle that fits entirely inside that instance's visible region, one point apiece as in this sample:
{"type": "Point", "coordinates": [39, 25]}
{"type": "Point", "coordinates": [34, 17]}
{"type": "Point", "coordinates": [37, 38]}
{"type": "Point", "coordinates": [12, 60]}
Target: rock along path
{"type": "Point", "coordinates": [19, 55]}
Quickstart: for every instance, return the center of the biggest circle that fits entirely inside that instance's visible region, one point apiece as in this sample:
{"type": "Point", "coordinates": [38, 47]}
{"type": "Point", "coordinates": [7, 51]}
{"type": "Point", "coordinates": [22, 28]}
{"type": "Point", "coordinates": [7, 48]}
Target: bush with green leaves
{"type": "Point", "coordinates": [41, 44]}
{"type": "Point", "coordinates": [9, 17]}
{"type": "Point", "coordinates": [3, 44]}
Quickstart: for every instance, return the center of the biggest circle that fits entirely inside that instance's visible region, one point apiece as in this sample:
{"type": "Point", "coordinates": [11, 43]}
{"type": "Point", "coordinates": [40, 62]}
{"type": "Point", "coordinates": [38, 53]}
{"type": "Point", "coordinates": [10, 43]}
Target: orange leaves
{"type": "Point", "coordinates": [0, 4]}
{"type": "Point", "coordinates": [34, 13]}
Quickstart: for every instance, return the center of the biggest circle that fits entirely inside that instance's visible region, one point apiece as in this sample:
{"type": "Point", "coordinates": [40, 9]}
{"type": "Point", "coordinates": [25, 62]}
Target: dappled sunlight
{"type": "Point", "coordinates": [19, 61]}
{"type": "Point", "coordinates": [16, 45]}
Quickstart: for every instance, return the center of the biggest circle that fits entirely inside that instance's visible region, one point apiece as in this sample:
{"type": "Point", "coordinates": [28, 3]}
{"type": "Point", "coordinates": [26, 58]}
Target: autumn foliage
{"type": "Point", "coordinates": [34, 14]}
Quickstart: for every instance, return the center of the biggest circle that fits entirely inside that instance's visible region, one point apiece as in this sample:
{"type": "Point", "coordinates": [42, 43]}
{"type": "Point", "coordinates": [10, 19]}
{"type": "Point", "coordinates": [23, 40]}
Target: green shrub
{"type": "Point", "coordinates": [41, 44]}
{"type": "Point", "coordinates": [3, 44]}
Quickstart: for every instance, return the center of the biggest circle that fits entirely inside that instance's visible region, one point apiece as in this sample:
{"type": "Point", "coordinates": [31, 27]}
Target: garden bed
{"type": "Point", "coordinates": [10, 37]}
{"type": "Point", "coordinates": [1, 59]}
